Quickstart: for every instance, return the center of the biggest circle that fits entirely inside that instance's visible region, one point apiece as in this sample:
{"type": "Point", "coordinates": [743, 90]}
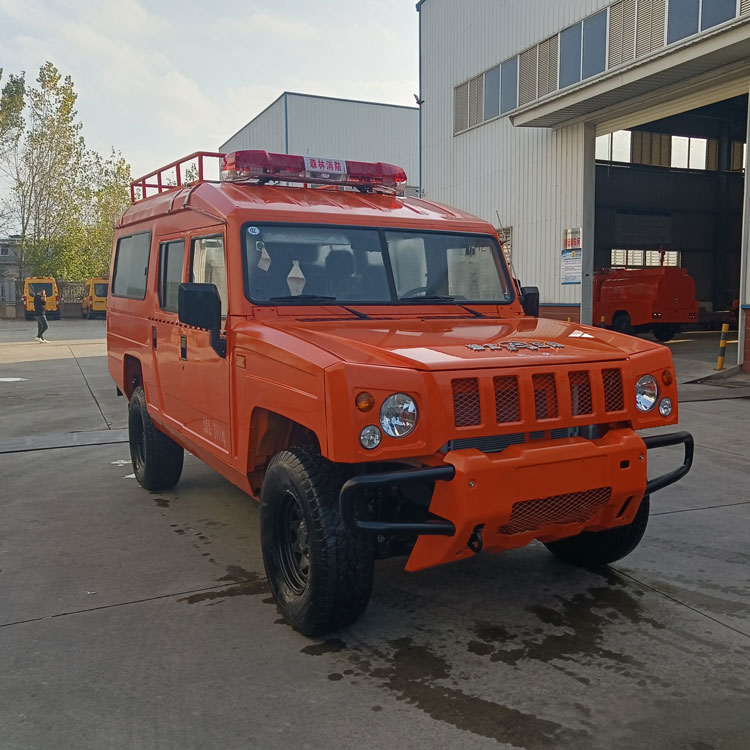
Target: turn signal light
{"type": "Point", "coordinates": [667, 378]}
{"type": "Point", "coordinates": [365, 401]}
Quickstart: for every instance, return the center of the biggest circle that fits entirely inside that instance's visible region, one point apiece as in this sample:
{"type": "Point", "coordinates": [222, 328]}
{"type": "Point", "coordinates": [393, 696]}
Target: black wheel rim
{"type": "Point", "coordinates": [139, 442]}
{"type": "Point", "coordinates": [293, 543]}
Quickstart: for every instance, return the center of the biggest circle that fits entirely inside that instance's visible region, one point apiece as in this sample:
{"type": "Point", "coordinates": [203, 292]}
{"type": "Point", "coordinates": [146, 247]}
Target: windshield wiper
{"type": "Point", "coordinates": [446, 299]}
{"type": "Point", "coordinates": [317, 298]}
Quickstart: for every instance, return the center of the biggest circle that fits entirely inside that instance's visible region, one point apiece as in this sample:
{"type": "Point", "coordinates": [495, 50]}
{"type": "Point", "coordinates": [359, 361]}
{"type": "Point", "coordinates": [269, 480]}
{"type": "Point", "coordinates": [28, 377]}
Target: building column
{"type": "Point", "coordinates": [589, 217]}
{"type": "Point", "coordinates": [743, 346]}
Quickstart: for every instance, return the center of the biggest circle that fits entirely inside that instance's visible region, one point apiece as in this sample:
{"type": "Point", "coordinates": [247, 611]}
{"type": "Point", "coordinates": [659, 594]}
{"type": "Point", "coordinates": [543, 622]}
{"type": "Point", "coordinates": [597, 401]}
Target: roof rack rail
{"type": "Point", "coordinates": [186, 171]}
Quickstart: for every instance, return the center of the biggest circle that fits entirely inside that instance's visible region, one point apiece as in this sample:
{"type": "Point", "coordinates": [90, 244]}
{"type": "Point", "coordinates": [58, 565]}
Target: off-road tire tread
{"type": "Point", "coordinates": [339, 590]}
{"type": "Point", "coordinates": [596, 549]}
{"type": "Point", "coordinates": [164, 457]}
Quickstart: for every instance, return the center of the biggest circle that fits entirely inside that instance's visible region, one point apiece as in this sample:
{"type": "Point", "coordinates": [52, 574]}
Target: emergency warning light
{"type": "Point", "coordinates": [261, 167]}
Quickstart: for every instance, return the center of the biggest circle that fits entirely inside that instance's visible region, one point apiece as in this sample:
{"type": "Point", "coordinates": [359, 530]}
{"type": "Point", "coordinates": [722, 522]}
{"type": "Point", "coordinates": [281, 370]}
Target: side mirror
{"type": "Point", "coordinates": [199, 305]}
{"type": "Point", "coordinates": [530, 301]}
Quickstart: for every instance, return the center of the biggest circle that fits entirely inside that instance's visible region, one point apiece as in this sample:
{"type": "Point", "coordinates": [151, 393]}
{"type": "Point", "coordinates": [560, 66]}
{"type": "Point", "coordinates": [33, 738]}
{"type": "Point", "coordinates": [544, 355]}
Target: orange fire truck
{"type": "Point", "coordinates": [636, 300]}
{"type": "Point", "coordinates": [364, 365]}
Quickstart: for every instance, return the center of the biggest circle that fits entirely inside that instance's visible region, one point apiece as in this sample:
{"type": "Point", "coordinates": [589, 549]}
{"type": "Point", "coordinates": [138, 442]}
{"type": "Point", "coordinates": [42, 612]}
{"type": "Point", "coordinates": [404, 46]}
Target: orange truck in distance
{"type": "Point", "coordinates": [364, 365]}
{"type": "Point", "coordinates": [636, 300]}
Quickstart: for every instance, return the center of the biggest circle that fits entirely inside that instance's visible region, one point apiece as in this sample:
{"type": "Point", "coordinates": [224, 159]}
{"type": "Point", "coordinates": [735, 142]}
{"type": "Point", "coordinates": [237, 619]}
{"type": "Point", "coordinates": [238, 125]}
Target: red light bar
{"type": "Point", "coordinates": [261, 166]}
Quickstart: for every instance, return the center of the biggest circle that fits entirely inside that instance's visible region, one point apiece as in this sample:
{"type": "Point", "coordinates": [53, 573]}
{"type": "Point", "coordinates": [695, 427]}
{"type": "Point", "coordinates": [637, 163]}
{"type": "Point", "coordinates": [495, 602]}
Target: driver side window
{"type": "Point", "coordinates": [209, 266]}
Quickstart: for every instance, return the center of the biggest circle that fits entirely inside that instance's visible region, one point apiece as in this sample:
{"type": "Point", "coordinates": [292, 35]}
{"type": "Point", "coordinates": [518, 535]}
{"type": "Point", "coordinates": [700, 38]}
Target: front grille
{"type": "Point", "coordinates": [612, 381]}
{"type": "Point", "coordinates": [545, 396]}
{"type": "Point", "coordinates": [574, 507]}
{"type": "Point", "coordinates": [580, 393]}
{"type": "Point", "coordinates": [498, 443]}
{"type": "Point", "coordinates": [583, 395]}
{"type": "Point", "coordinates": [466, 408]}
{"type": "Point", "coordinates": [507, 400]}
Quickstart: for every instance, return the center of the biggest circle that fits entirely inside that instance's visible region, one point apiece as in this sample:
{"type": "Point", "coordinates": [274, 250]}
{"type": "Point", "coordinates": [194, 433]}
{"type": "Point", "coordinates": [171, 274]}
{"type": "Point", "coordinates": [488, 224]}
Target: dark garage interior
{"type": "Point", "coordinates": [677, 184]}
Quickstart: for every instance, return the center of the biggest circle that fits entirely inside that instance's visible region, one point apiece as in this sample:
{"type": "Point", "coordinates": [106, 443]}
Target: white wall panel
{"type": "Point", "coordinates": [356, 130]}
{"type": "Point", "coordinates": [532, 177]}
{"type": "Point", "coordinates": [265, 132]}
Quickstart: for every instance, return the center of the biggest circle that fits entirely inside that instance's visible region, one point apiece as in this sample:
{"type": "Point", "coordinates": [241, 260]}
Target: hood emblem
{"type": "Point", "coordinates": [514, 346]}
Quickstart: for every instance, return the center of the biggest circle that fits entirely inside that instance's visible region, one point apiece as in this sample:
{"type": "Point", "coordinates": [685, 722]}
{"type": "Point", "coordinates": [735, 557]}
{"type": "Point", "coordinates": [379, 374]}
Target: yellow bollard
{"type": "Point", "coordinates": [722, 346]}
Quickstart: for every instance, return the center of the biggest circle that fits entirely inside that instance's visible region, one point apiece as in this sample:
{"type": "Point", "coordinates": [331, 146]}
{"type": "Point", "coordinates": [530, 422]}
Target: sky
{"type": "Point", "coordinates": [159, 80]}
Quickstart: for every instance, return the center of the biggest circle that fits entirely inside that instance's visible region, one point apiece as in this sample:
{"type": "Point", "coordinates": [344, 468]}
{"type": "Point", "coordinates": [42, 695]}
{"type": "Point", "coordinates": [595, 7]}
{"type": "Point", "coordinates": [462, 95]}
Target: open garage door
{"type": "Point", "coordinates": [670, 200]}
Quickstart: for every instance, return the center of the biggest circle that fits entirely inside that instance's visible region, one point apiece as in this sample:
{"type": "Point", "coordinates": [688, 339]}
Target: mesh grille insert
{"type": "Point", "coordinates": [545, 396]}
{"type": "Point", "coordinates": [575, 507]}
{"type": "Point", "coordinates": [580, 393]}
{"type": "Point", "coordinates": [466, 409]}
{"type": "Point", "coordinates": [507, 400]}
{"type": "Point", "coordinates": [612, 381]}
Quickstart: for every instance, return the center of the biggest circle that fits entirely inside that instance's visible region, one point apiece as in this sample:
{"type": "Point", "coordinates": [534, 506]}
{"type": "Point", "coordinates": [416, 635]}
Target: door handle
{"type": "Point", "coordinates": [153, 337]}
{"type": "Point", "coordinates": [183, 348]}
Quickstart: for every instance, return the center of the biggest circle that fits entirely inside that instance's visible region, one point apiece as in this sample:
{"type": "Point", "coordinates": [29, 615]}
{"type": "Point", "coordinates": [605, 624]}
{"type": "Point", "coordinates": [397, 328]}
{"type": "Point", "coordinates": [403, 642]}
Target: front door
{"type": "Point", "coordinates": [205, 374]}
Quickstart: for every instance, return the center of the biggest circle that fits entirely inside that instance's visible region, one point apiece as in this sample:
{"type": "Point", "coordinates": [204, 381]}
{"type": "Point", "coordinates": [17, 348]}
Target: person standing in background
{"type": "Point", "coordinates": [40, 308]}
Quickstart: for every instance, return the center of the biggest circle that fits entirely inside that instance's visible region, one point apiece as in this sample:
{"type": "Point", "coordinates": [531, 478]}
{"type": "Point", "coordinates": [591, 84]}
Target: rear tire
{"type": "Point", "coordinates": [595, 549]}
{"type": "Point", "coordinates": [621, 324]}
{"type": "Point", "coordinates": [320, 572]}
{"type": "Point", "coordinates": [157, 459]}
{"type": "Point", "coordinates": [664, 332]}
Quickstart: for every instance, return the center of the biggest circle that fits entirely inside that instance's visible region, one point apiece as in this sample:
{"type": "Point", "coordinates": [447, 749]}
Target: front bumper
{"type": "Point", "coordinates": [501, 501]}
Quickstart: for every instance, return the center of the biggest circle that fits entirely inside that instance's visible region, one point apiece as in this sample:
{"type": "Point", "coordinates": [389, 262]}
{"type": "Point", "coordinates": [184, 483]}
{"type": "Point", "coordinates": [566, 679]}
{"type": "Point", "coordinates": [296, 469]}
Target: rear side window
{"type": "Point", "coordinates": [131, 266]}
{"type": "Point", "coordinates": [209, 266]}
{"type": "Point", "coordinates": [171, 255]}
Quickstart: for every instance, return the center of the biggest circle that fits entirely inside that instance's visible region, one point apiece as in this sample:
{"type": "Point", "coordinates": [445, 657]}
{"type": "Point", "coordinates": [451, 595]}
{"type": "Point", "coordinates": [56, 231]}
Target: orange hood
{"type": "Point", "coordinates": [450, 344]}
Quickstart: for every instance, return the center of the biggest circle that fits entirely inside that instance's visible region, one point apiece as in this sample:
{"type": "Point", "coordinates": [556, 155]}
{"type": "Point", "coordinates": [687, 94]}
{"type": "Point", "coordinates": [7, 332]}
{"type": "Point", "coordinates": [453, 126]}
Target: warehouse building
{"type": "Point", "coordinates": [341, 128]}
{"type": "Point", "coordinates": [595, 134]}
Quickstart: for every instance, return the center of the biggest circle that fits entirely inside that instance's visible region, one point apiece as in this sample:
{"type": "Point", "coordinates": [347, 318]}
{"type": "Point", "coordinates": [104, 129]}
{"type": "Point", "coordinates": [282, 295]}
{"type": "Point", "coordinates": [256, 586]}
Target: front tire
{"type": "Point", "coordinates": [595, 549]}
{"type": "Point", "coordinates": [157, 459]}
{"type": "Point", "coordinates": [320, 572]}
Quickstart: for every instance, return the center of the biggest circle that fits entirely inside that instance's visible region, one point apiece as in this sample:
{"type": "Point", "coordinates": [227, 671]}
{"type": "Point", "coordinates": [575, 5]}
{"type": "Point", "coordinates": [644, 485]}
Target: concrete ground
{"type": "Point", "coordinates": [135, 620]}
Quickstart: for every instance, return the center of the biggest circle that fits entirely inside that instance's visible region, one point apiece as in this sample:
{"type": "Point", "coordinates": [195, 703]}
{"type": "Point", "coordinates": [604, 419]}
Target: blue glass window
{"type": "Point", "coordinates": [509, 85]}
{"type": "Point", "coordinates": [492, 93]}
{"type": "Point", "coordinates": [595, 44]}
{"type": "Point", "coordinates": [717, 11]}
{"type": "Point", "coordinates": [570, 56]}
{"type": "Point", "coordinates": [683, 19]}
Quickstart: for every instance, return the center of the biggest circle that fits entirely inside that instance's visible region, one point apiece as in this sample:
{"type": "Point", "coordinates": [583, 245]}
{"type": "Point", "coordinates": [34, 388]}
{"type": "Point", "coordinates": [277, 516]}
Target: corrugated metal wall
{"type": "Point", "coordinates": [355, 130]}
{"type": "Point", "coordinates": [320, 126]}
{"type": "Point", "coordinates": [266, 131]}
{"type": "Point", "coordinates": [532, 177]}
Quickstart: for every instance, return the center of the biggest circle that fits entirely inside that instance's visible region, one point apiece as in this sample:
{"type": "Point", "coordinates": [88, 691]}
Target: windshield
{"type": "Point", "coordinates": [100, 290]}
{"type": "Point", "coordinates": [302, 264]}
{"type": "Point", "coordinates": [38, 287]}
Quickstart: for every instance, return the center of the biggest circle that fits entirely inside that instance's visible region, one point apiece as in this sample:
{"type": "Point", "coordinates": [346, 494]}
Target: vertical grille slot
{"type": "Point", "coordinates": [612, 382]}
{"type": "Point", "coordinates": [466, 409]}
{"type": "Point", "coordinates": [580, 393]}
{"type": "Point", "coordinates": [507, 400]}
{"type": "Point", "coordinates": [545, 396]}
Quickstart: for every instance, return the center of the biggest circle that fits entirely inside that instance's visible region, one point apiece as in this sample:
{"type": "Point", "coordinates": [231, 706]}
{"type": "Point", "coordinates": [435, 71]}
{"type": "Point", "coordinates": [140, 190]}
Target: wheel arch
{"type": "Point", "coordinates": [271, 433]}
{"type": "Point", "coordinates": [132, 375]}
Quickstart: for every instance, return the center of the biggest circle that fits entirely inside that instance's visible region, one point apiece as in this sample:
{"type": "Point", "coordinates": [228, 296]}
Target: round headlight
{"type": "Point", "coordinates": [646, 393]}
{"type": "Point", "coordinates": [665, 407]}
{"type": "Point", "coordinates": [398, 415]}
{"type": "Point", "coordinates": [370, 437]}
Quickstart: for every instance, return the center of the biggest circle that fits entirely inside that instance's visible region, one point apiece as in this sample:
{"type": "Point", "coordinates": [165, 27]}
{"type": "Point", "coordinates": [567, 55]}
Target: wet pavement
{"type": "Point", "coordinates": [131, 619]}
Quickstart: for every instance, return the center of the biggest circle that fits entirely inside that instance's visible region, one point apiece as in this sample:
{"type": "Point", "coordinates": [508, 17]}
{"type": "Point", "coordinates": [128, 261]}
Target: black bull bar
{"type": "Point", "coordinates": [437, 526]}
